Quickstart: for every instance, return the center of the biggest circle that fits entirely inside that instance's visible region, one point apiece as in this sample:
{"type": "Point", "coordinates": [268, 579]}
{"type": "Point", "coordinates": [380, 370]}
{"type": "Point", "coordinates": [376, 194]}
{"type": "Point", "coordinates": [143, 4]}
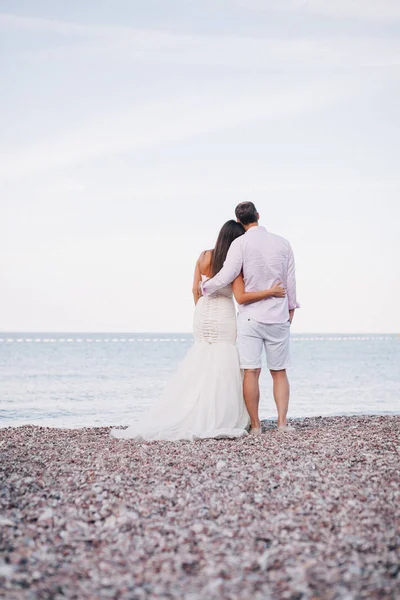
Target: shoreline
{"type": "Point", "coordinates": [266, 422]}
{"type": "Point", "coordinates": [314, 514]}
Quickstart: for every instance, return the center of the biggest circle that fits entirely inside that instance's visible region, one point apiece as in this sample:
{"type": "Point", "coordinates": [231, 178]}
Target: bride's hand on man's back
{"type": "Point", "coordinates": [278, 291]}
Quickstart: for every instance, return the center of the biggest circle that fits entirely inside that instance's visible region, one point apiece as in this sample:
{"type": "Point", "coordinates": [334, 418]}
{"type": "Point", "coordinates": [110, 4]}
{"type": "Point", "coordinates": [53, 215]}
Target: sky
{"type": "Point", "coordinates": [130, 130]}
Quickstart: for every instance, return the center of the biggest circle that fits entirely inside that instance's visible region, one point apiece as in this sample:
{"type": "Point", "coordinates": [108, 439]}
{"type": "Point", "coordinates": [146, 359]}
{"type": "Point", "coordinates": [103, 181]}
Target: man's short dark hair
{"type": "Point", "coordinates": [246, 213]}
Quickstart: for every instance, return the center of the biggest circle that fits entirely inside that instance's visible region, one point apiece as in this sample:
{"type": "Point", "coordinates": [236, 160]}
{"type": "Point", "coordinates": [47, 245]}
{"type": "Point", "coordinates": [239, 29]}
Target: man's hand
{"type": "Point", "coordinates": [291, 315]}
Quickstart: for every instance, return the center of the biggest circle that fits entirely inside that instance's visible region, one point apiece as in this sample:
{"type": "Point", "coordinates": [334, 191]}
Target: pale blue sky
{"type": "Point", "coordinates": [130, 130]}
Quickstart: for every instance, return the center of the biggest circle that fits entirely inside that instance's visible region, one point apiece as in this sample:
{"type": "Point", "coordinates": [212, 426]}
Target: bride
{"type": "Point", "coordinates": [204, 399]}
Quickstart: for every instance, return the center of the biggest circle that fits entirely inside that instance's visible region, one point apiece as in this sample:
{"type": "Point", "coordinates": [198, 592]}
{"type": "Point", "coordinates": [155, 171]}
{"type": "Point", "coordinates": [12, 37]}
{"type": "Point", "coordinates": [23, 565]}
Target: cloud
{"type": "Point", "coordinates": [222, 104]}
{"type": "Point", "coordinates": [15, 21]}
{"type": "Point", "coordinates": [218, 50]}
{"type": "Point", "coordinates": [359, 9]}
{"type": "Point", "coordinates": [164, 122]}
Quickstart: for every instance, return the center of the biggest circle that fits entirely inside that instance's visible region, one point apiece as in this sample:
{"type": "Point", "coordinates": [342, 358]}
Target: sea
{"type": "Point", "coordinates": [97, 379]}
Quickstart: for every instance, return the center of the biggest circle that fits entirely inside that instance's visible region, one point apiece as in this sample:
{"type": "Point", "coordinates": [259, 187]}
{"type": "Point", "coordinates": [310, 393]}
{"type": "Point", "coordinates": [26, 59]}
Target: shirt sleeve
{"type": "Point", "coordinates": [291, 282]}
{"type": "Point", "coordinates": [232, 266]}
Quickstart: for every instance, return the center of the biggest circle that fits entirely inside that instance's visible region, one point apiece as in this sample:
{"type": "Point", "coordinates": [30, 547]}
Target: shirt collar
{"type": "Point", "coordinates": [255, 227]}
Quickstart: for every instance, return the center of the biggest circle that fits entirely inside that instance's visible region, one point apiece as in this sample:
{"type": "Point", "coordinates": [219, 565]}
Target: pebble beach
{"type": "Point", "coordinates": [310, 515]}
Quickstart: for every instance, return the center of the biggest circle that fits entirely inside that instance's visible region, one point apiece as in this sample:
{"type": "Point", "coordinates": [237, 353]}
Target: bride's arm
{"type": "Point", "coordinates": [243, 297]}
{"type": "Point", "coordinates": [202, 266]}
{"type": "Point", "coordinates": [196, 282]}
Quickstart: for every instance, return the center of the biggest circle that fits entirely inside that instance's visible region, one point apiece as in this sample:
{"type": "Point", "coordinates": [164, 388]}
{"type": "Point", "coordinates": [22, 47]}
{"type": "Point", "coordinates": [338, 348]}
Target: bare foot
{"type": "Point", "coordinates": [255, 431]}
{"type": "Point", "coordinates": [286, 428]}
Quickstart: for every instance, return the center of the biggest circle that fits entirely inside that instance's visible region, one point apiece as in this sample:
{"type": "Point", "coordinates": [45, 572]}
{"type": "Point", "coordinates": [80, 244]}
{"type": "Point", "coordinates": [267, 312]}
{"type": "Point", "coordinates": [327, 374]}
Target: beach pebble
{"type": "Point", "coordinates": [46, 515]}
{"type": "Point", "coordinates": [4, 522]}
{"type": "Point", "coordinates": [310, 516]}
{"type": "Point", "coordinates": [6, 570]}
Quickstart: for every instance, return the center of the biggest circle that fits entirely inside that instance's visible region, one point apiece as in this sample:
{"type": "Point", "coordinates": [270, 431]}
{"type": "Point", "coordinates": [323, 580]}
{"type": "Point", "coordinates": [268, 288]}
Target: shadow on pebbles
{"type": "Point", "coordinates": [308, 515]}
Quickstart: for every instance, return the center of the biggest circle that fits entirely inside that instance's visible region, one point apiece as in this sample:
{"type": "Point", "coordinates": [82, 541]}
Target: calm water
{"type": "Point", "coordinates": [76, 380]}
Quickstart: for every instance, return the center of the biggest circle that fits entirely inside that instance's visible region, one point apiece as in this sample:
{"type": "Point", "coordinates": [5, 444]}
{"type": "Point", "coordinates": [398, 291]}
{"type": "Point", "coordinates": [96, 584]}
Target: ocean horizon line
{"type": "Point", "coordinates": [7, 332]}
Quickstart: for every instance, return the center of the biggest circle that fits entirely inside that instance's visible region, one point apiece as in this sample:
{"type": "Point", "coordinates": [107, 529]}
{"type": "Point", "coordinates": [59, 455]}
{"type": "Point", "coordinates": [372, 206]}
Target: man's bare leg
{"type": "Point", "coordinates": [251, 393]}
{"type": "Point", "coordinates": [281, 395]}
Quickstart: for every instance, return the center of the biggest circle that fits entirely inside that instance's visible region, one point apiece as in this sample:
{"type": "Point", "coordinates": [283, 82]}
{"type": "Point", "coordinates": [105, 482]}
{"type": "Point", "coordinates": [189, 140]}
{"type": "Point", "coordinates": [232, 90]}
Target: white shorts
{"type": "Point", "coordinates": [253, 336]}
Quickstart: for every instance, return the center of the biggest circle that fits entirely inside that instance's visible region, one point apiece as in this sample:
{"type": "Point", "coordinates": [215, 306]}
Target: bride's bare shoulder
{"type": "Point", "coordinates": [204, 261]}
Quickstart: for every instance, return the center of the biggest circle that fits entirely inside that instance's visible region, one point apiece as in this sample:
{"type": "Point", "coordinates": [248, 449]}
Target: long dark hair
{"type": "Point", "coordinates": [229, 232]}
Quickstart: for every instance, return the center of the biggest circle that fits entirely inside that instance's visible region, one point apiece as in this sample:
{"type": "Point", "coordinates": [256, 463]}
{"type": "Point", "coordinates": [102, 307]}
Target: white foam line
{"type": "Point", "coordinates": [184, 340]}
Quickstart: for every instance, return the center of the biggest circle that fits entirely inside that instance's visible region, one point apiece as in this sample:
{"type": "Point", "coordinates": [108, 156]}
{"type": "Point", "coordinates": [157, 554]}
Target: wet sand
{"type": "Point", "coordinates": [309, 515]}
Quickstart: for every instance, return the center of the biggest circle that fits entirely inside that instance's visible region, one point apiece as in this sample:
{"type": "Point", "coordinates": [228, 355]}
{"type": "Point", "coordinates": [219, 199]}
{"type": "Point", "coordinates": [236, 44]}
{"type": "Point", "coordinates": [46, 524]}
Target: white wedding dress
{"type": "Point", "coordinates": [204, 399]}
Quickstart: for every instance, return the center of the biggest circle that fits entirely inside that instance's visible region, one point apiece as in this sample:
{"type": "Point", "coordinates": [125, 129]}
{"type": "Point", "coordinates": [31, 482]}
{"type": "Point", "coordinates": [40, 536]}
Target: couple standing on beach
{"type": "Point", "coordinates": [208, 397]}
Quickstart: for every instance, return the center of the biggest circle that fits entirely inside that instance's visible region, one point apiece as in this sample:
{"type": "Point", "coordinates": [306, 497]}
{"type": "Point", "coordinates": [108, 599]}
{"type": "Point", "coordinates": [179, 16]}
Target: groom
{"type": "Point", "coordinates": [265, 259]}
